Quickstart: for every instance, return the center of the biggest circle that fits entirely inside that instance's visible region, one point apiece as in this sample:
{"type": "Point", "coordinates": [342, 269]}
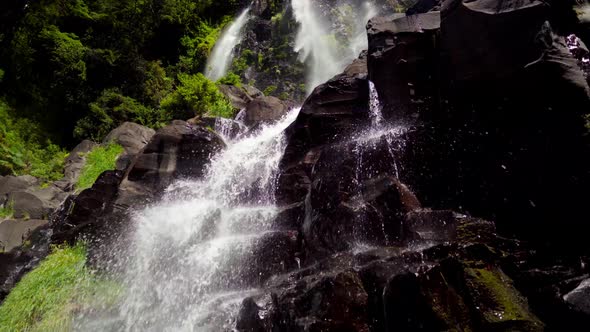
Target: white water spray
{"type": "Point", "coordinates": [223, 52]}
{"type": "Point", "coordinates": [188, 264]}
{"type": "Point", "coordinates": [317, 46]}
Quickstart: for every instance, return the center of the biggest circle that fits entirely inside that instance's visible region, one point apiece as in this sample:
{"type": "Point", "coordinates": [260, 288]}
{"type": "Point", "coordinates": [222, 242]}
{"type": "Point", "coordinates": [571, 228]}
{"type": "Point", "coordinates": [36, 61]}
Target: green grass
{"type": "Point", "coordinates": [47, 298]}
{"type": "Point", "coordinates": [7, 211]}
{"type": "Point", "coordinates": [100, 159]}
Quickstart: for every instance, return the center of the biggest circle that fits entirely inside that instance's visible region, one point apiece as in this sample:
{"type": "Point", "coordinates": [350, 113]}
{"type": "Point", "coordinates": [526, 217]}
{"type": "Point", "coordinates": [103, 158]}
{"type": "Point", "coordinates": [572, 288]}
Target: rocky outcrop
{"type": "Point", "coordinates": [264, 110]}
{"type": "Point", "coordinates": [240, 97]}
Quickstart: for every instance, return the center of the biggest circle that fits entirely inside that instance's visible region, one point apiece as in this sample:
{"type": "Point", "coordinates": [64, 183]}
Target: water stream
{"type": "Point", "coordinates": [222, 55]}
{"type": "Point", "coordinates": [187, 267]}
{"type": "Point", "coordinates": [324, 55]}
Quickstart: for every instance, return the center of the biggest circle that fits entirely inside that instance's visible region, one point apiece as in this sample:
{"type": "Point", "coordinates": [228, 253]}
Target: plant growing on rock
{"type": "Point", "coordinates": [100, 159]}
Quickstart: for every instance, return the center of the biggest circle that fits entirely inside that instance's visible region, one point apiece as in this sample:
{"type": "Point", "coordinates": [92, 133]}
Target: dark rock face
{"type": "Point", "coordinates": [490, 134]}
{"type": "Point", "coordinates": [402, 53]}
{"type": "Point", "coordinates": [177, 150]}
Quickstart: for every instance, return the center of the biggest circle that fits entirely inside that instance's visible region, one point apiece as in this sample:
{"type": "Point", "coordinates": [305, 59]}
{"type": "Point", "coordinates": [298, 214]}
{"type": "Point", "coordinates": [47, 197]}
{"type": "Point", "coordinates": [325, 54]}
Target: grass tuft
{"type": "Point", "coordinates": [48, 298]}
{"type": "Point", "coordinates": [100, 159]}
{"type": "Point", "coordinates": [7, 211]}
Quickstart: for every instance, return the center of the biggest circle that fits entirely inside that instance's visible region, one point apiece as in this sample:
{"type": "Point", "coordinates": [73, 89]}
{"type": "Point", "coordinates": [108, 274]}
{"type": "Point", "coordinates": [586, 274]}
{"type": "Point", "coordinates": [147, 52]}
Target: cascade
{"type": "Point", "coordinates": [187, 267]}
{"type": "Point", "coordinates": [317, 47]}
{"type": "Point", "coordinates": [223, 52]}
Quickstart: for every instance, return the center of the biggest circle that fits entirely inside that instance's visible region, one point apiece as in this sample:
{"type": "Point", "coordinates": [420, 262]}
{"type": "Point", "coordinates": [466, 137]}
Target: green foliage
{"type": "Point", "coordinates": [24, 149]}
{"type": "Point", "coordinates": [1, 74]}
{"type": "Point", "coordinates": [231, 79]}
{"type": "Point", "coordinates": [47, 297]}
{"type": "Point", "coordinates": [195, 95]}
{"type": "Point", "coordinates": [157, 85]}
{"type": "Point", "coordinates": [99, 160]}
{"type": "Point", "coordinates": [110, 110]}
{"type": "Point", "coordinates": [7, 211]}
{"type": "Point", "coordinates": [270, 90]}
{"type": "Point", "coordinates": [67, 53]}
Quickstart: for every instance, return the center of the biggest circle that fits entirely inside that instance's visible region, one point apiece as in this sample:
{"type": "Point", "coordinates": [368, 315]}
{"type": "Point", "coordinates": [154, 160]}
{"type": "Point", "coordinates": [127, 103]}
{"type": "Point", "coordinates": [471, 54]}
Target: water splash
{"type": "Point", "coordinates": [187, 268]}
{"type": "Point", "coordinates": [318, 48]}
{"type": "Point", "coordinates": [223, 52]}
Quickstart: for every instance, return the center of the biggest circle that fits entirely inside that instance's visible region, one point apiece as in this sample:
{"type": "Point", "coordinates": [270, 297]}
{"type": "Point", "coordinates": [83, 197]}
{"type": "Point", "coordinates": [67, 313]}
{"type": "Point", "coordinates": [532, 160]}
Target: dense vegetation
{"type": "Point", "coordinates": [46, 298]}
{"type": "Point", "coordinates": [76, 69]}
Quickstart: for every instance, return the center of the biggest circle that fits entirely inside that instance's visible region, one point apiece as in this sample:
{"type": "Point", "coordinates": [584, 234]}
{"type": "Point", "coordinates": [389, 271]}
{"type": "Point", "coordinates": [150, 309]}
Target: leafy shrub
{"type": "Point", "coordinates": [100, 159]}
{"type": "Point", "coordinates": [24, 149]}
{"type": "Point", "coordinates": [196, 95]}
{"type": "Point", "coordinates": [110, 110]}
{"type": "Point", "coordinates": [231, 79]}
{"type": "Point", "coordinates": [47, 297]}
{"type": "Point", "coordinates": [270, 90]}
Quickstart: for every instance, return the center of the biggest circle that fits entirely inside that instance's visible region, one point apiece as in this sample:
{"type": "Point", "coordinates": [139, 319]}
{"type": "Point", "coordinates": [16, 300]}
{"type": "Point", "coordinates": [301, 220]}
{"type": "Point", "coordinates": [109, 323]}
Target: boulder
{"type": "Point", "coordinates": [175, 151]}
{"type": "Point", "coordinates": [330, 302]}
{"type": "Point", "coordinates": [15, 233]}
{"type": "Point", "coordinates": [76, 161]}
{"type": "Point", "coordinates": [27, 205]}
{"type": "Point", "coordinates": [9, 184]}
{"type": "Point", "coordinates": [238, 97]}
{"type": "Point", "coordinates": [131, 136]}
{"type": "Point", "coordinates": [579, 298]}
{"type": "Point", "coordinates": [373, 216]}
{"type": "Point", "coordinates": [264, 110]}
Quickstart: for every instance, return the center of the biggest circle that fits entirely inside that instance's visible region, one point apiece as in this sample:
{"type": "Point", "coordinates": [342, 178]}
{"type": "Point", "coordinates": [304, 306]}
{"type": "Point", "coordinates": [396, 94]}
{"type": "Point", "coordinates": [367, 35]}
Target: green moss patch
{"type": "Point", "coordinates": [100, 159]}
{"type": "Point", "coordinates": [47, 298]}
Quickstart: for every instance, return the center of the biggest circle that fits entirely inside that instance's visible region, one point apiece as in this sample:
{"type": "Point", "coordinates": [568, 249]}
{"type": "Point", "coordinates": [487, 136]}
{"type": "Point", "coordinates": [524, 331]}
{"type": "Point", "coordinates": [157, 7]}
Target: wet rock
{"type": "Point", "coordinates": [579, 298]}
{"type": "Point", "coordinates": [175, 151]}
{"type": "Point", "coordinates": [374, 216]}
{"type": "Point", "coordinates": [83, 214]}
{"type": "Point", "coordinates": [226, 128]}
{"type": "Point", "coordinates": [335, 302]}
{"type": "Point", "coordinates": [402, 62]}
{"type": "Point", "coordinates": [264, 110]}
{"type": "Point", "coordinates": [248, 318]}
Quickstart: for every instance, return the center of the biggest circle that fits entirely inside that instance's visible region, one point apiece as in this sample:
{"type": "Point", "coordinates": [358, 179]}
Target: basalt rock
{"type": "Point", "coordinates": [177, 150]}
{"type": "Point", "coordinates": [402, 63]}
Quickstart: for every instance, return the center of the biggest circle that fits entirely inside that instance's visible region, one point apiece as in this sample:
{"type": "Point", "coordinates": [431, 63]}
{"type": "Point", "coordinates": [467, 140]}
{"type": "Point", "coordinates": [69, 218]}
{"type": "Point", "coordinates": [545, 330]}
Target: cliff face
{"type": "Point", "coordinates": [436, 184]}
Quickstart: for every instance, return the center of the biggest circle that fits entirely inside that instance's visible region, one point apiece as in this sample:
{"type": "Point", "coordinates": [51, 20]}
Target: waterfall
{"type": "Point", "coordinates": [190, 262]}
{"type": "Point", "coordinates": [223, 52]}
{"type": "Point", "coordinates": [324, 55]}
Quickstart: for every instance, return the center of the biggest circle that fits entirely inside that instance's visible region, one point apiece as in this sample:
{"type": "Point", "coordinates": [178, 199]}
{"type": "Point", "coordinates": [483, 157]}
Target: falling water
{"type": "Point", "coordinates": [378, 135]}
{"type": "Point", "coordinates": [317, 46]}
{"type": "Point", "coordinates": [223, 51]}
{"type": "Point", "coordinates": [187, 269]}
